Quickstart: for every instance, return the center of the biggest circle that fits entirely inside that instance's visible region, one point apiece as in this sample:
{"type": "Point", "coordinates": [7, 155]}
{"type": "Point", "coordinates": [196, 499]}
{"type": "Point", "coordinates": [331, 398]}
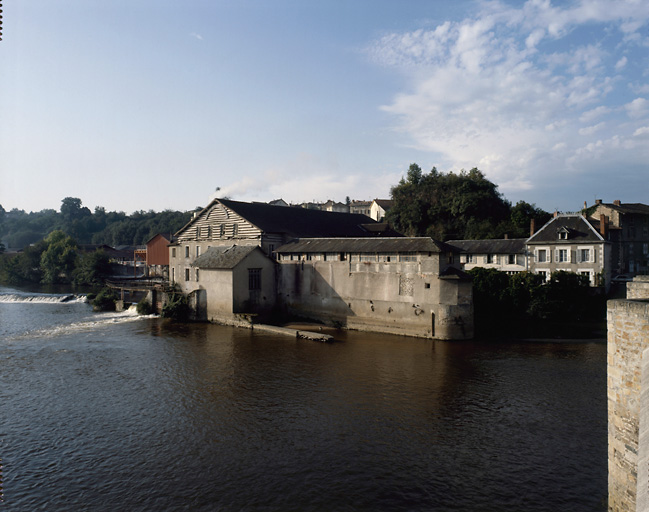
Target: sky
{"type": "Point", "coordinates": [151, 105]}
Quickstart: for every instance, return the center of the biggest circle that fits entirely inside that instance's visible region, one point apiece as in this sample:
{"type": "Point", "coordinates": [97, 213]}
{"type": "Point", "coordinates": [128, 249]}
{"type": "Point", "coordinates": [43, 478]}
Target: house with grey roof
{"type": "Point", "coordinates": [506, 255]}
{"type": "Point", "coordinates": [570, 242]}
{"type": "Point", "coordinates": [234, 280]}
{"type": "Point", "coordinates": [399, 285]}
{"type": "Point", "coordinates": [379, 208]}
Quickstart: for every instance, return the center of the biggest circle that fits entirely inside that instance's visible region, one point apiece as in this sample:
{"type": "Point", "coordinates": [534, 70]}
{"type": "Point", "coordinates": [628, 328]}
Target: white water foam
{"type": "Point", "coordinates": [22, 298]}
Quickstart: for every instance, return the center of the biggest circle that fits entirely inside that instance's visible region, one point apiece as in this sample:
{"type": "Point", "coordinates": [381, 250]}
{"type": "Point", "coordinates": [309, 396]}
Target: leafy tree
{"type": "Point", "coordinates": [92, 268]}
{"type": "Point", "coordinates": [445, 206]}
{"type": "Point", "coordinates": [58, 260]}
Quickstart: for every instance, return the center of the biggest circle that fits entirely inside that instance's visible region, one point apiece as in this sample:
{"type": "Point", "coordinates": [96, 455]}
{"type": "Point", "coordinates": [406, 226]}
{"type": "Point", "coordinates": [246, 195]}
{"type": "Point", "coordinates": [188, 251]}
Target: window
{"type": "Point", "coordinates": [562, 255]}
{"type": "Point", "coordinates": [584, 255]}
{"type": "Point", "coordinates": [489, 258]}
{"type": "Point", "coordinates": [173, 252]}
{"type": "Point", "coordinates": [254, 279]}
{"type": "Point", "coordinates": [407, 256]}
{"type": "Point", "coordinates": [368, 257]}
{"type": "Point", "coordinates": [222, 234]}
{"type": "Point", "coordinates": [543, 274]}
{"type": "Point", "coordinates": [186, 274]}
{"type": "Point", "coordinates": [235, 230]}
{"type": "Point", "coordinates": [196, 275]}
{"type": "Point", "coordinates": [198, 251]}
{"type": "Point", "coordinates": [271, 249]}
{"type": "Point", "coordinates": [469, 258]}
{"type": "Point", "coordinates": [427, 285]}
{"type": "Point", "coordinates": [541, 256]}
{"type": "Point", "coordinates": [187, 251]}
{"type": "Point", "coordinates": [511, 259]}
{"type": "Point", "coordinates": [173, 275]}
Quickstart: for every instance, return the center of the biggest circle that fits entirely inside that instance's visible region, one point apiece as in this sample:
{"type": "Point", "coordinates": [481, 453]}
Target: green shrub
{"type": "Point", "coordinates": [144, 307]}
{"type": "Point", "coordinates": [105, 300]}
{"type": "Point", "coordinates": [176, 307]}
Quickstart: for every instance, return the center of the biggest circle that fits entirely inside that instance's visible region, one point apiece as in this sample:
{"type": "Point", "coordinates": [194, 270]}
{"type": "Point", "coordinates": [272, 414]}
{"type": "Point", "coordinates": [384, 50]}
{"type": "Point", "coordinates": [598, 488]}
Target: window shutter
{"type": "Point", "coordinates": [593, 258]}
{"type": "Point", "coordinates": [572, 256]}
{"type": "Point", "coordinates": [536, 255]}
{"type": "Point", "coordinates": [556, 255]}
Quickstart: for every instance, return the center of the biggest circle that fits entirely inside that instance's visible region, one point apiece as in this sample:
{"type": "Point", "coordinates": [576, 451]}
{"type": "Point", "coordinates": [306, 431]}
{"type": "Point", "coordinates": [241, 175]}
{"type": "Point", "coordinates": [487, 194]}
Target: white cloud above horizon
{"type": "Point", "coordinates": [499, 90]}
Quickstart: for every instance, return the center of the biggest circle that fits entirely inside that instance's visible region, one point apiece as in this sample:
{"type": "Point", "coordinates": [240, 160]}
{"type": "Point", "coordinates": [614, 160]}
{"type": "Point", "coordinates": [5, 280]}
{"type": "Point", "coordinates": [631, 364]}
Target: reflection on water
{"type": "Point", "coordinates": [149, 415]}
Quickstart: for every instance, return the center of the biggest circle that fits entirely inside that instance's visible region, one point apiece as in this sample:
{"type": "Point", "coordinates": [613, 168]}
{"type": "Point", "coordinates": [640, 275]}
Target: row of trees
{"type": "Point", "coordinates": [462, 206]}
{"type": "Point", "coordinates": [19, 229]}
{"type": "Point", "coordinates": [55, 260]}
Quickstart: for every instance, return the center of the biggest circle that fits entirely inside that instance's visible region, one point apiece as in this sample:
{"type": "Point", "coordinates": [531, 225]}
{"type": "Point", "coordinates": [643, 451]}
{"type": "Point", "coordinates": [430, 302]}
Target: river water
{"type": "Point", "coordinates": [118, 412]}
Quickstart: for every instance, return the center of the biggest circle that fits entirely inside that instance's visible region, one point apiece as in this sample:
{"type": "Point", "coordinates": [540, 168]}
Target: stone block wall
{"type": "Point", "coordinates": [628, 341]}
{"type": "Point", "coordinates": [638, 288]}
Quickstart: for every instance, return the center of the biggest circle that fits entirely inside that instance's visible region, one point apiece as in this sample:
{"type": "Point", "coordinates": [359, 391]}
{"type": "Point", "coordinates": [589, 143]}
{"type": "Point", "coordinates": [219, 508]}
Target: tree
{"type": "Point", "coordinates": [59, 258]}
{"type": "Point", "coordinates": [448, 206]}
{"type": "Point", "coordinates": [92, 268]}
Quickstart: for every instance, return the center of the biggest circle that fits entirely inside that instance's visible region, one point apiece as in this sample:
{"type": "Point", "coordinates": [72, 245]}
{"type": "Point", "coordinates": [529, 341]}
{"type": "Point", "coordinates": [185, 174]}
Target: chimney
{"type": "Point", "coordinates": [532, 226]}
{"type": "Point", "coordinates": [603, 226]}
{"type": "Point", "coordinates": [585, 205]}
{"type": "Point", "coordinates": [556, 213]}
{"type": "Point", "coordinates": [598, 201]}
{"type": "Point", "coordinates": [617, 202]}
{"type": "Point", "coordinates": [506, 236]}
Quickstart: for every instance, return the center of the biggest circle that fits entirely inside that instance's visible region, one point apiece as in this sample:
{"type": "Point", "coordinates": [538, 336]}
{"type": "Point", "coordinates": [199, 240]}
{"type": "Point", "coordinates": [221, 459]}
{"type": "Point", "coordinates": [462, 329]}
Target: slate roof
{"type": "Point", "coordinates": [631, 208]}
{"type": "Point", "coordinates": [386, 204]}
{"type": "Point", "coordinates": [579, 230]}
{"type": "Point", "coordinates": [364, 245]}
{"type": "Point", "coordinates": [302, 222]}
{"type": "Point", "coordinates": [227, 257]}
{"type": "Point", "coordinates": [490, 246]}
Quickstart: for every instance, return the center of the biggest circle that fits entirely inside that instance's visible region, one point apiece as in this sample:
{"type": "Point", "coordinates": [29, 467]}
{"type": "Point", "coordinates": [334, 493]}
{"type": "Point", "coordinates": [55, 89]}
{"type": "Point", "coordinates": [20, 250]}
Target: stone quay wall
{"type": "Point", "coordinates": [628, 356]}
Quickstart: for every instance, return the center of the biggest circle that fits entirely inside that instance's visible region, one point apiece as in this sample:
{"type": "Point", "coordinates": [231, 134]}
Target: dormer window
{"type": "Point", "coordinates": [562, 233]}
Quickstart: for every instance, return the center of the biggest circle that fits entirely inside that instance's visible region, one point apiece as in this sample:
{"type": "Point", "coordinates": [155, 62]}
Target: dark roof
{"type": "Point", "coordinates": [386, 204]}
{"type": "Point", "coordinates": [360, 245]}
{"type": "Point", "coordinates": [498, 246]}
{"type": "Point", "coordinates": [631, 208]}
{"type": "Point", "coordinates": [167, 236]}
{"type": "Point", "coordinates": [579, 230]}
{"type": "Point", "coordinates": [451, 273]}
{"type": "Point", "coordinates": [302, 222]}
{"type": "Point", "coordinates": [226, 257]}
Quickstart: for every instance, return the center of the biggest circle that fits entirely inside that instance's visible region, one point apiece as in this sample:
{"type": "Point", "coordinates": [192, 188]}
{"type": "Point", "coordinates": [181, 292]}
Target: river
{"type": "Point", "coordinates": [113, 411]}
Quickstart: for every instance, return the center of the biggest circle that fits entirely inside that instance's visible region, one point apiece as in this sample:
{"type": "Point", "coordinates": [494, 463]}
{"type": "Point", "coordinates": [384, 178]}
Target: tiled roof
{"type": "Point", "coordinates": [578, 228]}
{"type": "Point", "coordinates": [493, 246]}
{"type": "Point", "coordinates": [364, 245]}
{"type": "Point", "coordinates": [301, 222]}
{"type": "Point", "coordinates": [223, 257]}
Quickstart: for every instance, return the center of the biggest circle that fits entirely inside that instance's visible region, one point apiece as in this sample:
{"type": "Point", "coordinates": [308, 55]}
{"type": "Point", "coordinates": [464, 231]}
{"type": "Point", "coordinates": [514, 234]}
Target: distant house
{"type": "Point", "coordinates": [505, 255]}
{"type": "Point", "coordinates": [570, 242]}
{"type": "Point", "coordinates": [379, 208]}
{"type": "Point", "coordinates": [278, 202]}
{"type": "Point", "coordinates": [157, 255]}
{"type": "Point", "coordinates": [626, 227]}
{"type": "Point", "coordinates": [362, 207]}
{"type": "Point", "coordinates": [332, 206]}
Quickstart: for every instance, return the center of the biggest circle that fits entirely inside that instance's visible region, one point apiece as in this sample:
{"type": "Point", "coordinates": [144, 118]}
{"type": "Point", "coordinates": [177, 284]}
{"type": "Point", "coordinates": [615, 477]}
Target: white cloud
{"type": "Point", "coordinates": [196, 36]}
{"type": "Point", "coordinates": [491, 94]}
{"type": "Point", "coordinates": [643, 131]}
{"type": "Point", "coordinates": [590, 130]}
{"type": "Point", "coordinates": [637, 108]}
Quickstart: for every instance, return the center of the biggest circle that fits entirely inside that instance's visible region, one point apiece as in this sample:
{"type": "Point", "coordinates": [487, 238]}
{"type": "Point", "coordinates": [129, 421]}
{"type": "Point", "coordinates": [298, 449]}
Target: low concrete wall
{"type": "Point", "coordinates": [628, 352]}
{"type": "Point", "coordinates": [638, 288]}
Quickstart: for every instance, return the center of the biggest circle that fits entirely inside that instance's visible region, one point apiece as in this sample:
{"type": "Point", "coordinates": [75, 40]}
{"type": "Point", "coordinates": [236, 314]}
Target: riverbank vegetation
{"type": "Point", "coordinates": [523, 305]}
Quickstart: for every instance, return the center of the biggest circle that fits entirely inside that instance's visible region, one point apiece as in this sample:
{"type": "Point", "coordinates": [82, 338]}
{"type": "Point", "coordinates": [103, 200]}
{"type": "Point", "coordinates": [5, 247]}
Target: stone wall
{"type": "Point", "coordinates": [638, 288]}
{"type": "Point", "coordinates": [628, 343]}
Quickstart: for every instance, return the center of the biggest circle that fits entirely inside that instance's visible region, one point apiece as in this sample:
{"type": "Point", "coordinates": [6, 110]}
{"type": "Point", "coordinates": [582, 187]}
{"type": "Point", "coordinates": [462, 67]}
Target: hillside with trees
{"type": "Point", "coordinates": [19, 229]}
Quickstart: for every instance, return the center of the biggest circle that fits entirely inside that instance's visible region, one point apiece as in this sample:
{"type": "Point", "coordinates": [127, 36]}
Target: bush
{"type": "Point", "coordinates": [144, 307]}
{"type": "Point", "coordinates": [176, 307]}
{"type": "Point", "coordinates": [105, 300]}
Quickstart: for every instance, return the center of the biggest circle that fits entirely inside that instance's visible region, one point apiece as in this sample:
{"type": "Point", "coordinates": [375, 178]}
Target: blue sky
{"type": "Point", "coordinates": [138, 104]}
